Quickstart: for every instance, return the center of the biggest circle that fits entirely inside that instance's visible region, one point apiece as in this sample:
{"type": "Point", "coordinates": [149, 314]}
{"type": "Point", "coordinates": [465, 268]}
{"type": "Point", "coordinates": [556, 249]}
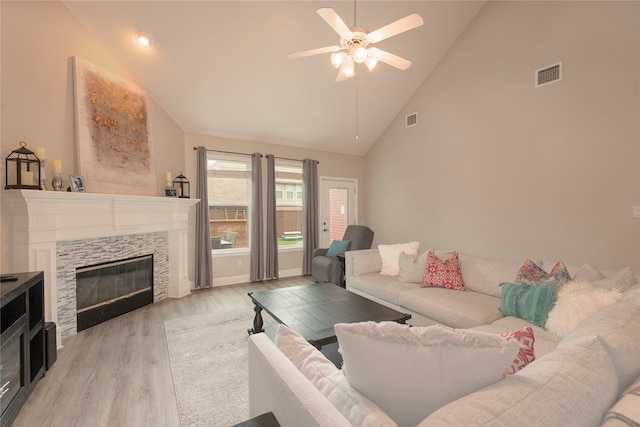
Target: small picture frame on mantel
{"type": "Point", "coordinates": [170, 192]}
{"type": "Point", "coordinates": [76, 183]}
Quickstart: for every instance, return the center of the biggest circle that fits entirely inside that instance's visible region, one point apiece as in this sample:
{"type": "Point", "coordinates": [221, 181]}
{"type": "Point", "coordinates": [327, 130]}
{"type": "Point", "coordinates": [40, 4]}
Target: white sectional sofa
{"type": "Point", "coordinates": [574, 381]}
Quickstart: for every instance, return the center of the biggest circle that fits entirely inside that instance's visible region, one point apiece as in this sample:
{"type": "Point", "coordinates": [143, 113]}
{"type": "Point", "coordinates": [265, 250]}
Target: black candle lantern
{"type": "Point", "coordinates": [181, 185]}
{"type": "Point", "coordinates": [22, 169]}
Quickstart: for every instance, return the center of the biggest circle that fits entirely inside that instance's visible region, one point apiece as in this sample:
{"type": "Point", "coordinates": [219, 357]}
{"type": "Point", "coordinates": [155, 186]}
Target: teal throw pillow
{"type": "Point", "coordinates": [338, 247]}
{"type": "Point", "coordinates": [531, 303]}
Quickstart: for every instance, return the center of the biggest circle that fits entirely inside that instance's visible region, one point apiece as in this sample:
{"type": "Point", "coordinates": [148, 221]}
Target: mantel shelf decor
{"type": "Point", "coordinates": [181, 185]}
{"type": "Point", "coordinates": [22, 169]}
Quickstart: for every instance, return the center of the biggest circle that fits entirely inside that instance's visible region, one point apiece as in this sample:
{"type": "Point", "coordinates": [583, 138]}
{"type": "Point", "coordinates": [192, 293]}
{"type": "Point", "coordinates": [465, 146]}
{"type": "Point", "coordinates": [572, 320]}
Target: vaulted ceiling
{"type": "Point", "coordinates": [220, 67]}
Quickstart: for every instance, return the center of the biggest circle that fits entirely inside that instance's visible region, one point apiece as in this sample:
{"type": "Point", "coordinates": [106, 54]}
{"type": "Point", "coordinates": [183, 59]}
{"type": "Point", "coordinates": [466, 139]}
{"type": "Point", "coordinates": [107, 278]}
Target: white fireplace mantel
{"type": "Point", "coordinates": [40, 219]}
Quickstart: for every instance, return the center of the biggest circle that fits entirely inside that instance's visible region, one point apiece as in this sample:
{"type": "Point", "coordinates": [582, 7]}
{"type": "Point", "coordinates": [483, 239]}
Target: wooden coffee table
{"type": "Point", "coordinates": [312, 310]}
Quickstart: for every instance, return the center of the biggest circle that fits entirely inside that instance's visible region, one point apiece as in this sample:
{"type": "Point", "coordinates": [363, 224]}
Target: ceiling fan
{"type": "Point", "coordinates": [354, 44]}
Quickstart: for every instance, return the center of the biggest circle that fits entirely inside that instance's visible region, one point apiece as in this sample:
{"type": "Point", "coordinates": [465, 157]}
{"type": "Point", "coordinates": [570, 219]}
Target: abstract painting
{"type": "Point", "coordinates": [114, 144]}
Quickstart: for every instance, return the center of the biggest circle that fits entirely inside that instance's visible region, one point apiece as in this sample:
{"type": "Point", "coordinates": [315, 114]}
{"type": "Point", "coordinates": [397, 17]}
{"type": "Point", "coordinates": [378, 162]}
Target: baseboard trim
{"type": "Point", "coordinates": [244, 278]}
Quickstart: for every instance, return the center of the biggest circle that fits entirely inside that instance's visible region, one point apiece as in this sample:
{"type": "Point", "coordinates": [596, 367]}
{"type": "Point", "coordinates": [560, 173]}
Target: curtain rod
{"type": "Point", "coordinates": [245, 154]}
{"type": "Point", "coordinates": [226, 152]}
{"type": "Point", "coordinates": [295, 160]}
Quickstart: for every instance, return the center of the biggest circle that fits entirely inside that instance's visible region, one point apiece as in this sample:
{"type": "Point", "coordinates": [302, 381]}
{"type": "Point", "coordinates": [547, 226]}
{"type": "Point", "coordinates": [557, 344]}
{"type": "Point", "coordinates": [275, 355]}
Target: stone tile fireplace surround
{"type": "Point", "coordinates": [57, 232]}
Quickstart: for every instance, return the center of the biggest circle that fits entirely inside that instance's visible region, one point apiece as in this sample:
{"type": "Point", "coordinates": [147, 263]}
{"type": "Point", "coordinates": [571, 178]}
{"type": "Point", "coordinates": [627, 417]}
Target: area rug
{"type": "Point", "coordinates": [208, 356]}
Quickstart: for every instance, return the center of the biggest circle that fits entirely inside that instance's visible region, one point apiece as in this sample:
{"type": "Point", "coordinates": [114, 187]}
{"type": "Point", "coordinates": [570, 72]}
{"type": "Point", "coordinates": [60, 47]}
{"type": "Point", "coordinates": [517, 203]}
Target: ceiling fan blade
{"type": "Point", "coordinates": [335, 22]}
{"type": "Point", "coordinates": [407, 23]}
{"type": "Point", "coordinates": [311, 52]}
{"type": "Point", "coordinates": [389, 58]}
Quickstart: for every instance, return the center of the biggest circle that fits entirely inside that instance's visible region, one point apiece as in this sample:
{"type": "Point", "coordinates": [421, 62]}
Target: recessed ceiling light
{"type": "Point", "coordinates": [144, 39]}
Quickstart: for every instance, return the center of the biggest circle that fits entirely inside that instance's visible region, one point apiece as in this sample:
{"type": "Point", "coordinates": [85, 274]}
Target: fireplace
{"type": "Point", "coordinates": [58, 232]}
{"type": "Point", "coordinates": [107, 290]}
{"type": "Point", "coordinates": [72, 255]}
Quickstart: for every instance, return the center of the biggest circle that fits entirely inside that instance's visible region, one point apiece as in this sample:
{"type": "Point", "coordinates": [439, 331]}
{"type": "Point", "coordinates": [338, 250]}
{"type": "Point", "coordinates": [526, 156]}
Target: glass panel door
{"type": "Point", "coordinates": [338, 208]}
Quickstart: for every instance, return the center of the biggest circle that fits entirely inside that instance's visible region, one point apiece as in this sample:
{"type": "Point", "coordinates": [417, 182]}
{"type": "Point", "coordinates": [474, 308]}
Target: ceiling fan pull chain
{"type": "Point", "coordinates": [357, 115]}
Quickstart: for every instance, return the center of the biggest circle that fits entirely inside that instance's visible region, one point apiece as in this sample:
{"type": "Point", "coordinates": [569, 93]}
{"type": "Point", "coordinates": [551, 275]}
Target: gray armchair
{"type": "Point", "coordinates": [331, 269]}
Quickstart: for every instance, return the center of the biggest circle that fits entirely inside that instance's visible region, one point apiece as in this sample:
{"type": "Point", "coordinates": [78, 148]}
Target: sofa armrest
{"type": "Point", "coordinates": [362, 262]}
{"type": "Point", "coordinates": [320, 252]}
{"type": "Point", "coordinates": [276, 385]}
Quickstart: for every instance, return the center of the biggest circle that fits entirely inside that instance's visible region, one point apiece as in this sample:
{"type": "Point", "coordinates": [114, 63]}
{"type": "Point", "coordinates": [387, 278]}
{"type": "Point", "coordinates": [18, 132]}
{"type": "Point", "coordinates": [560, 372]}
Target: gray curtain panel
{"type": "Point", "coordinates": [309, 213]}
{"type": "Point", "coordinates": [204, 271]}
{"type": "Point", "coordinates": [271, 268]}
{"type": "Point", "coordinates": [256, 272]}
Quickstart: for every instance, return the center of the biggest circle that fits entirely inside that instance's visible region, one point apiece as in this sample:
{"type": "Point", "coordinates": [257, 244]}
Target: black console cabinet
{"type": "Point", "coordinates": [22, 343]}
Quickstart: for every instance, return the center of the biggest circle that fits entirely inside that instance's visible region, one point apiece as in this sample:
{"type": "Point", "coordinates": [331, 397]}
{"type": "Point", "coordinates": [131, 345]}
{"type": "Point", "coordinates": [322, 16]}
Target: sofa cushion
{"type": "Point", "coordinates": [577, 301]}
{"type": "Point", "coordinates": [485, 274]}
{"type": "Point", "coordinates": [531, 303]}
{"type": "Point", "coordinates": [572, 386]}
{"type": "Point", "coordinates": [329, 380]}
{"type": "Point", "coordinates": [390, 255]}
{"type": "Point", "coordinates": [443, 274]}
{"type": "Point", "coordinates": [379, 286]}
{"type": "Point", "coordinates": [410, 372]}
{"type": "Point", "coordinates": [618, 327]}
{"type": "Point", "coordinates": [452, 308]}
{"type": "Point", "coordinates": [626, 411]}
{"type": "Point", "coordinates": [338, 247]}
{"type": "Point", "coordinates": [531, 273]}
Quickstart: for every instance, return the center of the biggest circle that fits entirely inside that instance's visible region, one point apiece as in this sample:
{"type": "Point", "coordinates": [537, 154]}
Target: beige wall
{"type": "Point", "coordinates": [498, 168]}
{"type": "Point", "coordinates": [230, 268]}
{"type": "Point", "coordinates": [39, 40]}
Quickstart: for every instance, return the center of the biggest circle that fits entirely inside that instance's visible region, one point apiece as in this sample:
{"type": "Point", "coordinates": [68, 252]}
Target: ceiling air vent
{"type": "Point", "coordinates": [411, 120]}
{"type": "Point", "coordinates": [550, 74]}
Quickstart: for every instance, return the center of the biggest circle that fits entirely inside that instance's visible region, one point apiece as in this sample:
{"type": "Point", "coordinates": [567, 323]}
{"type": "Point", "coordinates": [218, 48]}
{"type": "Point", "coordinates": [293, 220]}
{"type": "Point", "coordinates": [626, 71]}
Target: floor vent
{"type": "Point", "coordinates": [550, 74]}
{"type": "Point", "coordinates": [411, 120]}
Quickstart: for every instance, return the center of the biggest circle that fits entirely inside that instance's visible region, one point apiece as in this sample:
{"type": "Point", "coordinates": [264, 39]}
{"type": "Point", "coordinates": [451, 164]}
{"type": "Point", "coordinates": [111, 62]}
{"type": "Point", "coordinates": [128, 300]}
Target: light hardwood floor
{"type": "Point", "coordinates": [118, 374]}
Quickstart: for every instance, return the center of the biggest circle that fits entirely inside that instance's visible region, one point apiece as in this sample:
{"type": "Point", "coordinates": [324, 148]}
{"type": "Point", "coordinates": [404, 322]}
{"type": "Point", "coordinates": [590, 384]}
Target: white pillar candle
{"type": "Point", "coordinates": [39, 152]}
{"type": "Point", "coordinates": [56, 166]}
{"type": "Point", "coordinates": [168, 175]}
{"type": "Point", "coordinates": [26, 177]}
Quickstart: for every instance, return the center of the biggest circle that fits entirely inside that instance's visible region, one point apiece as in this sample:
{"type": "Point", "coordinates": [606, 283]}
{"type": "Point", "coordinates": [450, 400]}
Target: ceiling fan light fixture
{"type": "Point", "coordinates": [348, 68]}
{"type": "Point", "coordinates": [144, 39]}
{"type": "Point", "coordinates": [370, 63]}
{"type": "Point", "coordinates": [360, 54]}
{"type": "Point", "coordinates": [337, 59]}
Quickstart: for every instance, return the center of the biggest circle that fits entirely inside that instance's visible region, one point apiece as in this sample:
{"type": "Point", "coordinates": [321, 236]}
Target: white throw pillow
{"type": "Point", "coordinates": [412, 267]}
{"type": "Point", "coordinates": [575, 302]}
{"type": "Point", "coordinates": [622, 280]}
{"type": "Point", "coordinates": [411, 372]}
{"type": "Point", "coordinates": [587, 273]}
{"type": "Point", "coordinates": [330, 381]}
{"type": "Point", "coordinates": [390, 255]}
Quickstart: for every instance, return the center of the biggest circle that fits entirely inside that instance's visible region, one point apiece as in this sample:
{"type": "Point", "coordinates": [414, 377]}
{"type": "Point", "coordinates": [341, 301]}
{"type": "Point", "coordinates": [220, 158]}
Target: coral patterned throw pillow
{"type": "Point", "coordinates": [532, 274]}
{"type": "Point", "coordinates": [526, 355]}
{"type": "Point", "coordinates": [443, 274]}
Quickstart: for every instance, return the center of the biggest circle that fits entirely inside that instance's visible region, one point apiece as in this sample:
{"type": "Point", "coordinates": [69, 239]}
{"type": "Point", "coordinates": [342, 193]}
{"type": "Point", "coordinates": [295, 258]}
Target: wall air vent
{"type": "Point", "coordinates": [550, 74]}
{"type": "Point", "coordinates": [411, 120]}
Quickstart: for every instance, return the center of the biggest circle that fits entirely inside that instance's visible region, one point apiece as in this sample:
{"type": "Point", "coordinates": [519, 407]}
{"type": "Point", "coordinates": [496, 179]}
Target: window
{"type": "Point", "coordinates": [289, 203]}
{"type": "Point", "coordinates": [229, 182]}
